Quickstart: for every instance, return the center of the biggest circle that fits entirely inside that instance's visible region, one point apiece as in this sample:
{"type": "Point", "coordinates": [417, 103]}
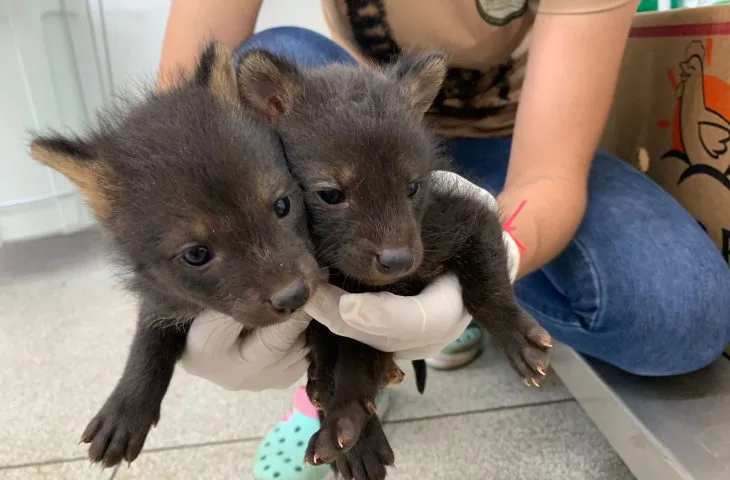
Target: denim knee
{"type": "Point", "coordinates": [307, 48]}
{"type": "Point", "coordinates": [662, 328]}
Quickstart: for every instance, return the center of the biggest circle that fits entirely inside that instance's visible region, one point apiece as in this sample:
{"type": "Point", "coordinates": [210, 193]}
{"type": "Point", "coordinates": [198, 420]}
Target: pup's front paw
{"type": "Point", "coordinates": [369, 457]}
{"type": "Point", "coordinates": [528, 349]}
{"type": "Point", "coordinates": [119, 430]}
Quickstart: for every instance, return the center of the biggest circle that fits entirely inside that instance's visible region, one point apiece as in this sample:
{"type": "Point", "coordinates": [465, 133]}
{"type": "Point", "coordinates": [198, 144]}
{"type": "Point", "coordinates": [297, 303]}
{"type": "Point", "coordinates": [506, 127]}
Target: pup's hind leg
{"type": "Point", "coordinates": [369, 457]}
{"type": "Point", "coordinates": [348, 401]}
{"type": "Point", "coordinates": [359, 374]}
{"type": "Point", "coordinates": [323, 356]}
{"type": "Point", "coordinates": [372, 453]}
{"type": "Point", "coordinates": [323, 352]}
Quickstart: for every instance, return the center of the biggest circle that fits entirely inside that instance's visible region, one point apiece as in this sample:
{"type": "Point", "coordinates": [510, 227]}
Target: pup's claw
{"type": "Point", "coordinates": [395, 375]}
{"type": "Point", "coordinates": [526, 350]}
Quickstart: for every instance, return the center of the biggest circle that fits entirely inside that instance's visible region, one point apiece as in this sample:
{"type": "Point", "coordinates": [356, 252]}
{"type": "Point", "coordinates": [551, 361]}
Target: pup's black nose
{"type": "Point", "coordinates": [394, 261]}
{"type": "Point", "coordinates": [290, 298]}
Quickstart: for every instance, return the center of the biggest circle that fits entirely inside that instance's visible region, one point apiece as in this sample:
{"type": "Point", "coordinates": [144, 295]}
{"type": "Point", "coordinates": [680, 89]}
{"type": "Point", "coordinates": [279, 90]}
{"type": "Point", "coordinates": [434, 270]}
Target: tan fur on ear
{"type": "Point", "coordinates": [268, 84]}
{"type": "Point", "coordinates": [215, 71]}
{"type": "Point", "coordinates": [422, 80]}
{"type": "Point", "coordinates": [93, 178]}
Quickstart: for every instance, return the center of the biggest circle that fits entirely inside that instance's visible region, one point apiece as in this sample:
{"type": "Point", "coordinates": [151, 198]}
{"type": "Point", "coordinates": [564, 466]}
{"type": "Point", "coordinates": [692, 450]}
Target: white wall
{"type": "Point", "coordinates": [61, 60]}
{"type": "Point", "coordinates": [50, 79]}
{"type": "Point", "coordinates": [135, 29]}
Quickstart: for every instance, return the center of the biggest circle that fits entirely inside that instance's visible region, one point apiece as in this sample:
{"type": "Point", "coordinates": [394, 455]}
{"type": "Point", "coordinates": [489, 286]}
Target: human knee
{"type": "Point", "coordinates": [286, 34]}
{"type": "Point", "coordinates": [665, 323]}
{"type": "Point", "coordinates": [644, 288]}
{"type": "Point", "coordinates": [707, 331]}
{"type": "Point", "coordinates": [307, 48]}
{"type": "Point", "coordinates": [666, 338]}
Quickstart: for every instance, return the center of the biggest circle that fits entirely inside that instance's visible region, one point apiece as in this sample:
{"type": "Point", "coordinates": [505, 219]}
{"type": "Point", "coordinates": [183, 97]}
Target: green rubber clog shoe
{"type": "Point", "coordinates": [461, 351]}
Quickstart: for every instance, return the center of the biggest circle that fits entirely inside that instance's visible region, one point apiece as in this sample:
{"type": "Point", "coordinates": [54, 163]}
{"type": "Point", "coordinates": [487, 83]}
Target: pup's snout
{"type": "Point", "coordinates": [394, 261]}
{"type": "Point", "coordinates": [290, 298]}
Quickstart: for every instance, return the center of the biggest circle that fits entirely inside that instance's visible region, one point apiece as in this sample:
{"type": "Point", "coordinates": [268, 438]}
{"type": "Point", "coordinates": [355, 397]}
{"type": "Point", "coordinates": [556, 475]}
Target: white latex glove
{"type": "Point", "coordinates": [267, 358]}
{"type": "Point", "coordinates": [413, 328]}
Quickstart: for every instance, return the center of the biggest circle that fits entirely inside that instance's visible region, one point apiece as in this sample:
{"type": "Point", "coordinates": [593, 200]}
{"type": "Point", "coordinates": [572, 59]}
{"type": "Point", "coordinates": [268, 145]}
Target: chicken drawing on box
{"type": "Point", "coordinates": [696, 169]}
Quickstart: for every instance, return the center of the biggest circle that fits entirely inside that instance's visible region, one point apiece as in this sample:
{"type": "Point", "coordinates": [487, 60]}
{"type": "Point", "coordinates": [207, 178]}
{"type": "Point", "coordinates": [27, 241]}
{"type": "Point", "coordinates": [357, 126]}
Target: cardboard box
{"type": "Point", "coordinates": [671, 116]}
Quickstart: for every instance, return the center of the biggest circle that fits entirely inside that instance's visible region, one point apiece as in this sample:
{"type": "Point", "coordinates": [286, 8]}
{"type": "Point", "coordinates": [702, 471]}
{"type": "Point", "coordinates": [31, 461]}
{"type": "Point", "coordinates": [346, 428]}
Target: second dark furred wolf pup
{"type": "Point", "coordinates": [384, 216]}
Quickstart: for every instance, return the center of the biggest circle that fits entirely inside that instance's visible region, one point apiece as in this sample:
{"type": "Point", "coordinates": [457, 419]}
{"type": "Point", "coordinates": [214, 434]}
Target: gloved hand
{"type": "Point", "coordinates": [413, 328]}
{"type": "Point", "coordinates": [274, 357]}
{"type": "Point", "coordinates": [269, 357]}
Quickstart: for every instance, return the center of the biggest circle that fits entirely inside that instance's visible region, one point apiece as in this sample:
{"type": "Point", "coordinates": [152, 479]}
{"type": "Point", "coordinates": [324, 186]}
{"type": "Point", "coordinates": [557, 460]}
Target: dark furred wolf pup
{"type": "Point", "coordinates": [201, 207]}
{"type": "Point", "coordinates": [382, 218]}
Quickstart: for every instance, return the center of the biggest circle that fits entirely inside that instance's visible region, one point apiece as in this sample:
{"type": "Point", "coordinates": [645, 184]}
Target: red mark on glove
{"type": "Point", "coordinates": [510, 229]}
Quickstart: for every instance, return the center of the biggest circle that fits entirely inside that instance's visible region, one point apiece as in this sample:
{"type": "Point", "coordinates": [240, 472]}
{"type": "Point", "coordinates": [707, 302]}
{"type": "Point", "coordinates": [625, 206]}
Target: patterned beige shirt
{"type": "Point", "coordinates": [487, 43]}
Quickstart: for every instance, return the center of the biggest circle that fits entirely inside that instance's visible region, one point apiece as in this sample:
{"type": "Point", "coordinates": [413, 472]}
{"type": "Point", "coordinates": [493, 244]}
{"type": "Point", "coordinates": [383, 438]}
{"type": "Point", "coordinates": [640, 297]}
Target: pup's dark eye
{"type": "Point", "coordinates": [413, 189]}
{"type": "Point", "coordinates": [197, 255]}
{"type": "Point", "coordinates": [331, 196]}
{"type": "Point", "coordinates": [282, 207]}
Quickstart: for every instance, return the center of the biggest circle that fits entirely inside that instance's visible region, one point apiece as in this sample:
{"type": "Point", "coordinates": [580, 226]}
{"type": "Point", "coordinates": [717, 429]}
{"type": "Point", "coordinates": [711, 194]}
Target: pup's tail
{"type": "Point", "coordinates": [419, 368]}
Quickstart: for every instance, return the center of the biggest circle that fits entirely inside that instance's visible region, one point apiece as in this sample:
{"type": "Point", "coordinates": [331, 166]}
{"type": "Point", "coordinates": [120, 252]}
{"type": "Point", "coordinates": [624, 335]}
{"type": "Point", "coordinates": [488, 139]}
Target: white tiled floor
{"type": "Point", "coordinates": [65, 326]}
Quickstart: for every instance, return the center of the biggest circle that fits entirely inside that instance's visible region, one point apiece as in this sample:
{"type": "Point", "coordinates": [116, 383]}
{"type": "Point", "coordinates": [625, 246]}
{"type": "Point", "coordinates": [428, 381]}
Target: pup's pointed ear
{"type": "Point", "coordinates": [421, 76]}
{"type": "Point", "coordinates": [268, 83]}
{"type": "Point", "coordinates": [215, 71]}
{"type": "Point", "coordinates": [76, 160]}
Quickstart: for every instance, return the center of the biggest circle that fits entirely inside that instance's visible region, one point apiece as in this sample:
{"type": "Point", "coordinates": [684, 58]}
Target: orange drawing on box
{"type": "Point", "coordinates": [699, 125]}
{"type": "Point", "coordinates": [700, 141]}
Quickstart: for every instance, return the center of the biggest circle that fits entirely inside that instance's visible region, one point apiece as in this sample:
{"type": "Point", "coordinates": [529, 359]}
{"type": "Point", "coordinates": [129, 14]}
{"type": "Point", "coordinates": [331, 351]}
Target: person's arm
{"type": "Point", "coordinates": [192, 23]}
{"type": "Point", "coordinates": [571, 76]}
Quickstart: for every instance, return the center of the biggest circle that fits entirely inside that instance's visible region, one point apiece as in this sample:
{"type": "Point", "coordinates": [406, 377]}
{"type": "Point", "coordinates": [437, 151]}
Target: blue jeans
{"type": "Point", "coordinates": [641, 286]}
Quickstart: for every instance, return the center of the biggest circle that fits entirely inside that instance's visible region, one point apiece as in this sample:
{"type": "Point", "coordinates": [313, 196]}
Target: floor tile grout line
{"type": "Point", "coordinates": [182, 446]}
{"type": "Point", "coordinates": [482, 411]}
{"type": "Point", "coordinates": [231, 441]}
{"type": "Point", "coordinates": [213, 443]}
{"type": "Point", "coordinates": [16, 466]}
